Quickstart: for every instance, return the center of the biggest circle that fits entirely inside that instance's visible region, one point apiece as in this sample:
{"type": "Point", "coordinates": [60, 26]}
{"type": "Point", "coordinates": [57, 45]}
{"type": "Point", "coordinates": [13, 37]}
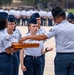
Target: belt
{"type": "Point", "coordinates": [33, 56]}
{"type": "Point", "coordinates": [65, 53]}
{"type": "Point", "coordinates": [3, 53]}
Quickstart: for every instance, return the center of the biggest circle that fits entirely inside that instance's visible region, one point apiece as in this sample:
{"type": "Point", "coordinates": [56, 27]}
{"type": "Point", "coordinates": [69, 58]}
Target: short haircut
{"type": "Point", "coordinates": [2, 24]}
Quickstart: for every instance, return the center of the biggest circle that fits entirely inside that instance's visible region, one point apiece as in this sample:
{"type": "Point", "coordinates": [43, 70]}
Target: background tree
{"type": "Point", "coordinates": [29, 2]}
{"type": "Point", "coordinates": [43, 4]}
{"type": "Point", "coordinates": [5, 2]}
{"type": "Point", "coordinates": [1, 2]}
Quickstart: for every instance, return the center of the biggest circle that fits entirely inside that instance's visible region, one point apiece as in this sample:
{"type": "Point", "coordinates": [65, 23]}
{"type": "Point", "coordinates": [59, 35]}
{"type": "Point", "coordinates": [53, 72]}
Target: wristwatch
{"type": "Point", "coordinates": [46, 49]}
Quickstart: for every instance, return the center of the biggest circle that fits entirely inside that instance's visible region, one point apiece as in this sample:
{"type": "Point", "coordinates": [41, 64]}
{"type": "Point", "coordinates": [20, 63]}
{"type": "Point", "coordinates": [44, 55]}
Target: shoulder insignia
{"type": "Point", "coordinates": [51, 30]}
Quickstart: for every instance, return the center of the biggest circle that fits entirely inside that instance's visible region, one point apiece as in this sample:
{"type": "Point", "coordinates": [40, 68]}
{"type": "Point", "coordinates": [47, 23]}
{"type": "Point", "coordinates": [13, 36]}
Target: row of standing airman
{"type": "Point", "coordinates": [22, 16]}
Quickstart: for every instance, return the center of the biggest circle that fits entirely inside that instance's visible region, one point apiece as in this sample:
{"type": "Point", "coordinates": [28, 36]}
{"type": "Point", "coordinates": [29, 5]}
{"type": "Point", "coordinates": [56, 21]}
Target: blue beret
{"type": "Point", "coordinates": [70, 16]}
{"type": "Point", "coordinates": [32, 20]}
{"type": "Point", "coordinates": [35, 15]}
{"type": "Point", "coordinates": [57, 11]}
{"type": "Point", "coordinates": [3, 15]}
{"type": "Point", "coordinates": [11, 18]}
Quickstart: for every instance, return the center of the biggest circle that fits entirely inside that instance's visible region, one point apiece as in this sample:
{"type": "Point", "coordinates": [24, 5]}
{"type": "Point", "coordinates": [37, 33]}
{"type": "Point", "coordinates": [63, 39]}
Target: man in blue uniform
{"type": "Point", "coordinates": [63, 31]}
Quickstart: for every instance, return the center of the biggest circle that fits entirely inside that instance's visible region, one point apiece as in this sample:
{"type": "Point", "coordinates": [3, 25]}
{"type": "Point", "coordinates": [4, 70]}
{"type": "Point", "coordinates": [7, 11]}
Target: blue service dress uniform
{"type": "Point", "coordinates": [64, 60]}
{"type": "Point", "coordinates": [6, 66]}
{"type": "Point", "coordinates": [33, 59]}
{"type": "Point", "coordinates": [15, 60]}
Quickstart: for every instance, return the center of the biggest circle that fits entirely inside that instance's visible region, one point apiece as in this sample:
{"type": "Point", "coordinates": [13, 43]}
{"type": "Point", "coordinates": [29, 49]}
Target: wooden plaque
{"type": "Point", "coordinates": [25, 45]}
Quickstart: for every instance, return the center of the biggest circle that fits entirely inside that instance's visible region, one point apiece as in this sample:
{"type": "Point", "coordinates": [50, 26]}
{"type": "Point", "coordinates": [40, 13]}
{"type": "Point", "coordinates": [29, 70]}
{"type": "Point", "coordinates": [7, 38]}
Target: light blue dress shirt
{"type": "Point", "coordinates": [64, 36]}
{"type": "Point", "coordinates": [4, 41]}
{"type": "Point", "coordinates": [34, 51]}
{"type": "Point", "coordinates": [17, 33]}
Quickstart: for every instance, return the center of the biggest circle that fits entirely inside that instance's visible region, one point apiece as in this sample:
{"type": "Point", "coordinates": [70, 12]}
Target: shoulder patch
{"type": "Point", "coordinates": [51, 30]}
{"type": "Point", "coordinates": [7, 38]}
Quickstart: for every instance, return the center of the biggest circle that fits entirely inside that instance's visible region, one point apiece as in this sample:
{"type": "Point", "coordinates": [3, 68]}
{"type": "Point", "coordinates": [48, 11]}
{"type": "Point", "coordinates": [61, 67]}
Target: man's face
{"type": "Point", "coordinates": [11, 25]}
{"type": "Point", "coordinates": [33, 28]}
{"type": "Point", "coordinates": [57, 20]}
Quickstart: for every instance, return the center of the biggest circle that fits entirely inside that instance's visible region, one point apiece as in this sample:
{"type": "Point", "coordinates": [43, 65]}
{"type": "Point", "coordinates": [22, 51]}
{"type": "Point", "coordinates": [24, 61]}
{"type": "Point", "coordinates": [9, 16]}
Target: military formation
{"type": "Point", "coordinates": [22, 16]}
{"type": "Point", "coordinates": [32, 60]}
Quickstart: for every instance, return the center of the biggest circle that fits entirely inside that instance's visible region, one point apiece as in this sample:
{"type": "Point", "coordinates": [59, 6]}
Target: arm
{"type": "Point", "coordinates": [21, 60]}
{"type": "Point", "coordinates": [33, 37]}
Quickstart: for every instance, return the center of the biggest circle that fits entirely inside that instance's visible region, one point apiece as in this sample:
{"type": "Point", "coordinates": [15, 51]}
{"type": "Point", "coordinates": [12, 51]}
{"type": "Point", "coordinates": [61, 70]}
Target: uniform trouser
{"type": "Point", "coordinates": [43, 63]}
{"type": "Point", "coordinates": [49, 22]}
{"type": "Point", "coordinates": [23, 21]}
{"type": "Point", "coordinates": [33, 66]}
{"type": "Point", "coordinates": [43, 22]}
{"type": "Point", "coordinates": [15, 64]}
{"type": "Point", "coordinates": [26, 21]}
{"type": "Point", "coordinates": [64, 64]}
{"type": "Point", "coordinates": [18, 21]}
{"type": "Point", "coordinates": [6, 66]}
{"type": "Point", "coordinates": [18, 55]}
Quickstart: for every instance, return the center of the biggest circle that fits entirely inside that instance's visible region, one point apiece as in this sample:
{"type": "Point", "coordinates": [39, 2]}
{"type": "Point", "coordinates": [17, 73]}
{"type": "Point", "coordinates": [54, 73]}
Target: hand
{"type": "Point", "coordinates": [23, 68]}
{"type": "Point", "coordinates": [22, 39]}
